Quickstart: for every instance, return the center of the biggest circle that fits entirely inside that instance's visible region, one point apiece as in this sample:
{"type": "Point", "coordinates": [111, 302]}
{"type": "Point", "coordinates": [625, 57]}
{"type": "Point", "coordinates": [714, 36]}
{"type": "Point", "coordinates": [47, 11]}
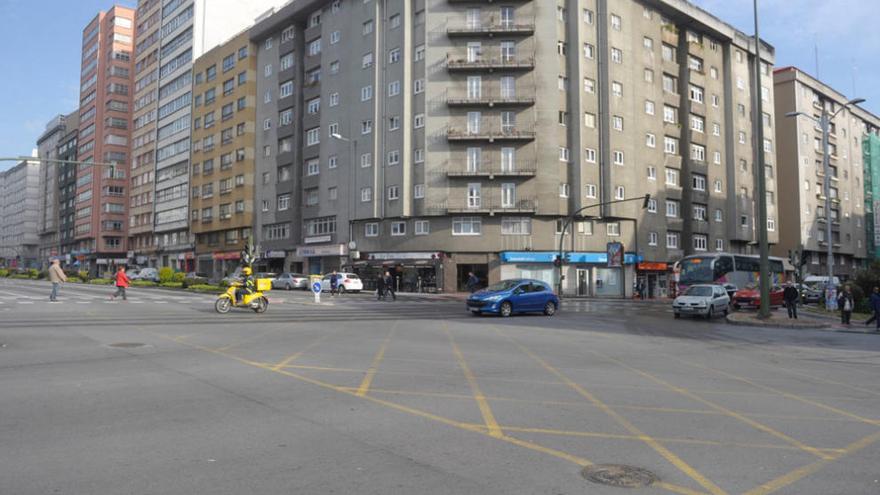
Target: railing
{"type": "Point", "coordinates": [488, 99]}
{"type": "Point", "coordinates": [490, 28]}
{"type": "Point", "coordinates": [502, 63]}
{"type": "Point", "coordinates": [489, 206]}
{"type": "Point", "coordinates": [494, 134]}
{"type": "Point", "coordinates": [491, 170]}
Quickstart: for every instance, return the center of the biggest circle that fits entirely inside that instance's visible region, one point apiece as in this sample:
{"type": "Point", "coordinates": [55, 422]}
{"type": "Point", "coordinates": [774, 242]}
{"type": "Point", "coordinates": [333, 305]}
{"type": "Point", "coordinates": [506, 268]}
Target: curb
{"type": "Point", "coordinates": [771, 324]}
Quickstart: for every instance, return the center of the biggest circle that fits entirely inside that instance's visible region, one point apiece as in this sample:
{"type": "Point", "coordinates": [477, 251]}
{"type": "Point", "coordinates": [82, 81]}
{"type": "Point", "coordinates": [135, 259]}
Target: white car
{"type": "Point", "coordinates": [348, 282]}
{"type": "Point", "coordinates": [702, 300]}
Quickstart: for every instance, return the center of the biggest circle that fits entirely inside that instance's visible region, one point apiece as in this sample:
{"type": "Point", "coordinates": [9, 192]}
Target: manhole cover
{"type": "Point", "coordinates": [127, 345]}
{"type": "Point", "coordinates": [619, 475]}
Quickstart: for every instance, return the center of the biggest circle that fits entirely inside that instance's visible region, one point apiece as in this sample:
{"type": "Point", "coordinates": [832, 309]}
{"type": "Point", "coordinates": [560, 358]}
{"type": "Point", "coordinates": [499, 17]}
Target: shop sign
{"type": "Point", "coordinates": [403, 256]}
{"type": "Point", "coordinates": [576, 257]}
{"type": "Point", "coordinates": [275, 254]}
{"type": "Point", "coordinates": [653, 266]}
{"type": "Point", "coordinates": [313, 251]}
{"type": "Point", "coordinates": [226, 256]}
{"type": "Point", "coordinates": [181, 256]}
{"type": "Point", "coordinates": [614, 251]}
{"type": "Point", "coordinates": [528, 256]}
{"type": "Point", "coordinates": [317, 239]}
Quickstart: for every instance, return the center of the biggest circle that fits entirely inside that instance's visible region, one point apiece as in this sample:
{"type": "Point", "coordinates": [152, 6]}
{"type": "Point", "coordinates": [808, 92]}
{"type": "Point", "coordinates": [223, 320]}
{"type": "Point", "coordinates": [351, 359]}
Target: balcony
{"type": "Point", "coordinates": [486, 207]}
{"type": "Point", "coordinates": [491, 29]}
{"type": "Point", "coordinates": [454, 64]}
{"type": "Point", "coordinates": [490, 135]}
{"type": "Point", "coordinates": [488, 100]}
{"type": "Point", "coordinates": [493, 171]}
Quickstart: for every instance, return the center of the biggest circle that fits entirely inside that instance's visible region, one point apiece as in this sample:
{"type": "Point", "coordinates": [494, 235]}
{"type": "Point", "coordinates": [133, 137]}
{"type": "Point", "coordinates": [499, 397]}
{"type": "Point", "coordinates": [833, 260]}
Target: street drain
{"type": "Point", "coordinates": [619, 475]}
{"type": "Point", "coordinates": [127, 345]}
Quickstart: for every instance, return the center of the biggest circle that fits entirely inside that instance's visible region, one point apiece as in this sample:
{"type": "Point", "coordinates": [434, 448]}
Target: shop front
{"type": "Point", "coordinates": [223, 263]}
{"type": "Point", "coordinates": [587, 274]}
{"type": "Point", "coordinates": [653, 279]}
{"type": "Point", "coordinates": [412, 272]}
{"type": "Point", "coordinates": [320, 260]}
{"type": "Point", "coordinates": [272, 261]}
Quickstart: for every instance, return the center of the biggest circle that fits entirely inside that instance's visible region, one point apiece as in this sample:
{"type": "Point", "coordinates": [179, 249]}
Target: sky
{"type": "Point", "coordinates": [42, 53]}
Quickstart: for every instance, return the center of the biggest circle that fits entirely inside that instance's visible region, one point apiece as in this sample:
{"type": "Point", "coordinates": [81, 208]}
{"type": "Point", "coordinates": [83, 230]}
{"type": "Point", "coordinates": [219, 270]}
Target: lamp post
{"type": "Point", "coordinates": [559, 264]}
{"type": "Point", "coordinates": [824, 123]}
{"type": "Point", "coordinates": [351, 168]}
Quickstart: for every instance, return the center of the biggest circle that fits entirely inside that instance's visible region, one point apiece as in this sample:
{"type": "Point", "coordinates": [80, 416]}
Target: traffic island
{"type": "Point", "coordinates": [775, 321]}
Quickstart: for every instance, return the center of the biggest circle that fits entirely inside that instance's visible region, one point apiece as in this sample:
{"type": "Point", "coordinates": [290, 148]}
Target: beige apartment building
{"type": "Point", "coordinates": [104, 136]}
{"type": "Point", "coordinates": [439, 137]}
{"type": "Point", "coordinates": [801, 175]}
{"type": "Point", "coordinates": [222, 182]}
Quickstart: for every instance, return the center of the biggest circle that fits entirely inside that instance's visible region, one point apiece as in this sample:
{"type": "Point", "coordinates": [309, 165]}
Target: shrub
{"type": "Point", "coordinates": [4, 272]}
{"type": "Point", "coordinates": [143, 283]}
{"type": "Point", "coordinates": [33, 273]}
{"type": "Point", "coordinates": [43, 275]}
{"type": "Point", "coordinates": [206, 288]}
{"type": "Point", "coordinates": [20, 276]}
{"type": "Point", "coordinates": [178, 277]}
{"type": "Point", "coordinates": [83, 275]}
{"type": "Point", "coordinates": [172, 285]}
{"type": "Point", "coordinates": [100, 281]}
{"type": "Point", "coordinates": [166, 274]}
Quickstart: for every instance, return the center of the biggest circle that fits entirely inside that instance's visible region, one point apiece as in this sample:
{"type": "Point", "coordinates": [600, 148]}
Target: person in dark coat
{"type": "Point", "coordinates": [472, 282]}
{"type": "Point", "coordinates": [334, 283]}
{"type": "Point", "coordinates": [389, 285]}
{"type": "Point", "coordinates": [875, 307]}
{"type": "Point", "coordinates": [380, 287]}
{"type": "Point", "coordinates": [790, 296]}
{"type": "Point", "coordinates": [845, 303]}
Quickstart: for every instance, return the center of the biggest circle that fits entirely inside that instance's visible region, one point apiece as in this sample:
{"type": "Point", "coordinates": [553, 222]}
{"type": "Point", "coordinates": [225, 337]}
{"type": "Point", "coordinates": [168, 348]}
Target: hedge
{"type": "Point", "coordinates": [100, 281]}
{"type": "Point", "coordinates": [172, 285]}
{"type": "Point", "coordinates": [143, 283]}
{"type": "Point", "coordinates": [206, 288]}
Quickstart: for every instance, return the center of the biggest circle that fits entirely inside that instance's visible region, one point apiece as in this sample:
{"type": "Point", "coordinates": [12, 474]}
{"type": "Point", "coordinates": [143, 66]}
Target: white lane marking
{"type": "Point", "coordinates": [25, 302]}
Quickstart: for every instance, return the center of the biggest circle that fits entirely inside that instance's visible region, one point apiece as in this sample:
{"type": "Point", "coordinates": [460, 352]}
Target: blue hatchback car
{"type": "Point", "coordinates": [514, 296]}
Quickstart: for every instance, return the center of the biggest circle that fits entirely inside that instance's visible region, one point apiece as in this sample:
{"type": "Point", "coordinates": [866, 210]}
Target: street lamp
{"type": "Point", "coordinates": [568, 221]}
{"type": "Point", "coordinates": [824, 123]}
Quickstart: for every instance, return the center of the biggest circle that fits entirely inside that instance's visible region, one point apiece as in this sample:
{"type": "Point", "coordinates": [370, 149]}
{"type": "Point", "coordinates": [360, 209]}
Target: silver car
{"type": "Point", "coordinates": [289, 281]}
{"type": "Point", "coordinates": [702, 300]}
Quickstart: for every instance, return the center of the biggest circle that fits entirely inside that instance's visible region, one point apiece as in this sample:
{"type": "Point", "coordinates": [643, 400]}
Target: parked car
{"type": "Point", "coordinates": [348, 282]}
{"type": "Point", "coordinates": [290, 281]}
{"type": "Point", "coordinates": [702, 300]}
{"type": "Point", "coordinates": [271, 275]}
{"type": "Point", "coordinates": [812, 294]}
{"type": "Point", "coordinates": [750, 297]}
{"type": "Point", "coordinates": [149, 274]}
{"type": "Point", "coordinates": [196, 278]}
{"type": "Point", "coordinates": [514, 296]}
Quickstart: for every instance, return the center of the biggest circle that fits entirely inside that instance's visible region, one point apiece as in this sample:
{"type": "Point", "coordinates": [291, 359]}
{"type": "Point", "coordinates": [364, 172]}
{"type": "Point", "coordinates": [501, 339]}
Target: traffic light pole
{"type": "Point", "coordinates": [559, 261]}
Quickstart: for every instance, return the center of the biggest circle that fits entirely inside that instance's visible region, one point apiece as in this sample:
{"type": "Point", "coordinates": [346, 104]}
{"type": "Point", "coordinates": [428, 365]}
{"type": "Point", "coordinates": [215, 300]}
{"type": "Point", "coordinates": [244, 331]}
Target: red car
{"type": "Point", "coordinates": [751, 297]}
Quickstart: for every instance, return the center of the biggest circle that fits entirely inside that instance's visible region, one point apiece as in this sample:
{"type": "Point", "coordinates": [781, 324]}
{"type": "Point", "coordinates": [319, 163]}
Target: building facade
{"type": "Point", "coordinates": [171, 35]}
{"type": "Point", "coordinates": [47, 148]}
{"type": "Point", "coordinates": [20, 198]}
{"type": "Point", "coordinates": [104, 137]}
{"type": "Point", "coordinates": [66, 194]}
{"type": "Point", "coordinates": [442, 137]}
{"type": "Point", "coordinates": [802, 175]}
{"type": "Point", "coordinates": [222, 182]}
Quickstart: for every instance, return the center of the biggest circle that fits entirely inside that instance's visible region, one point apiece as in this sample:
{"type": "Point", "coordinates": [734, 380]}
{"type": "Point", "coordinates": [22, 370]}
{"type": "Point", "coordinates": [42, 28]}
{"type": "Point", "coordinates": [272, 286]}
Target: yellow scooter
{"type": "Point", "coordinates": [255, 300]}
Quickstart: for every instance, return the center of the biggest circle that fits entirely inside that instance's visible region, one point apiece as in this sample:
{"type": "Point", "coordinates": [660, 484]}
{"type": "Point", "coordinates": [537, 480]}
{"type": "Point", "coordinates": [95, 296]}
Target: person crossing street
{"type": "Point", "coordinates": [389, 286]}
{"type": "Point", "coordinates": [790, 296]}
{"type": "Point", "coordinates": [57, 277]}
{"type": "Point", "coordinates": [875, 308]}
{"type": "Point", "coordinates": [122, 282]}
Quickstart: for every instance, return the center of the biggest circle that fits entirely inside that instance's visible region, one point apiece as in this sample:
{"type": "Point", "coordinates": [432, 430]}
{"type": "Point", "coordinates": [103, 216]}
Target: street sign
{"type": "Point", "coordinates": [316, 289]}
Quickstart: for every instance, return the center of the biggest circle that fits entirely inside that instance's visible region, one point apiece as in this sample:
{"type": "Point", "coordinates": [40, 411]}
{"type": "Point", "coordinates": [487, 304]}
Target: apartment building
{"type": "Point", "coordinates": [853, 135]}
{"type": "Point", "coordinates": [47, 148]}
{"type": "Point", "coordinates": [66, 193]}
{"type": "Point", "coordinates": [171, 35]}
{"type": "Point", "coordinates": [20, 198]}
{"type": "Point", "coordinates": [104, 137]}
{"type": "Point", "coordinates": [440, 137]}
{"type": "Point", "coordinates": [223, 140]}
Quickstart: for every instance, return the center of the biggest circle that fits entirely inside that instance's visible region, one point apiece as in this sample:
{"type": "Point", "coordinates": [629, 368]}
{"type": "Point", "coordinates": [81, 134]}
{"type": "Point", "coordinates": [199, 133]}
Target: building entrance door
{"type": "Point", "coordinates": [583, 282]}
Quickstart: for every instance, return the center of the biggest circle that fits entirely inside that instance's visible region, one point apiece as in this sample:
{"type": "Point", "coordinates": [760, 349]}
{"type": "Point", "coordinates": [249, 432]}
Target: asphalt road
{"type": "Point", "coordinates": [160, 395]}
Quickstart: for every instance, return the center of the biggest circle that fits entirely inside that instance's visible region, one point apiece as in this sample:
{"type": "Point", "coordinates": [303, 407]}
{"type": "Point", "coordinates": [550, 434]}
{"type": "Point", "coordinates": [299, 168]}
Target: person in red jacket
{"type": "Point", "coordinates": [122, 282]}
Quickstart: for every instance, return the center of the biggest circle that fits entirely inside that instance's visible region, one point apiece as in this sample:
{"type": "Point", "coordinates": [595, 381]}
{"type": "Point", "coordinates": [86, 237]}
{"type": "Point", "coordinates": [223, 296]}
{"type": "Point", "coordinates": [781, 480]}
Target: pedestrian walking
{"type": "Point", "coordinates": [334, 283]}
{"type": "Point", "coordinates": [380, 287]}
{"type": "Point", "coordinates": [845, 303]}
{"type": "Point", "coordinates": [472, 282]}
{"type": "Point", "coordinates": [389, 286]}
{"type": "Point", "coordinates": [790, 296]}
{"type": "Point", "coordinates": [122, 282]}
{"type": "Point", "coordinates": [57, 277]}
{"type": "Point", "coordinates": [875, 307]}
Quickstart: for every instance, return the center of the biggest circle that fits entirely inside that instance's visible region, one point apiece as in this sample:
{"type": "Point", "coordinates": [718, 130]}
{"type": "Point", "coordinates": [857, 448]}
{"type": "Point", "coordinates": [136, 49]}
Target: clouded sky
{"type": "Point", "coordinates": [41, 40]}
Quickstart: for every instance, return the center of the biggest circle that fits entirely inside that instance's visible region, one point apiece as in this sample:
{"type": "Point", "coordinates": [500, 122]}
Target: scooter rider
{"type": "Point", "coordinates": [248, 284]}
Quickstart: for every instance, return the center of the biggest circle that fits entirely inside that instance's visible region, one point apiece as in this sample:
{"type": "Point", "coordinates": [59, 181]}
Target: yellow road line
{"type": "Point", "coordinates": [650, 441]}
{"type": "Point", "coordinates": [785, 394]}
{"type": "Point", "coordinates": [694, 441]}
{"type": "Point", "coordinates": [482, 403]}
{"type": "Point", "coordinates": [733, 414]}
{"type": "Point", "coordinates": [800, 473]}
{"type": "Point", "coordinates": [293, 357]}
{"type": "Point", "coordinates": [374, 366]}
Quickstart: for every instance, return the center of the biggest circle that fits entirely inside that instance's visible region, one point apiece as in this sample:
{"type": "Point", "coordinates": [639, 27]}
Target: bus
{"type": "Point", "coordinates": [740, 270]}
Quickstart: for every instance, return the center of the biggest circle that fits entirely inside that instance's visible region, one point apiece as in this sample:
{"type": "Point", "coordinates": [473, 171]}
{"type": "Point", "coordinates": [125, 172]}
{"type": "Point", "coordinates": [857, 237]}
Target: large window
{"type": "Point", "coordinates": [467, 226]}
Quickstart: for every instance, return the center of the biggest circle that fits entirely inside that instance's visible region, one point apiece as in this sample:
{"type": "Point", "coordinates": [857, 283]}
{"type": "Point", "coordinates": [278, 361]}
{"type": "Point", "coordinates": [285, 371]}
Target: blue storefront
{"type": "Point", "coordinates": [587, 274]}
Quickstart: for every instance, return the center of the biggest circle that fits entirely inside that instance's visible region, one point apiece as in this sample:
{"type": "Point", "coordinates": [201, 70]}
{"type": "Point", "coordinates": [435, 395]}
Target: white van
{"type": "Point", "coordinates": [820, 281]}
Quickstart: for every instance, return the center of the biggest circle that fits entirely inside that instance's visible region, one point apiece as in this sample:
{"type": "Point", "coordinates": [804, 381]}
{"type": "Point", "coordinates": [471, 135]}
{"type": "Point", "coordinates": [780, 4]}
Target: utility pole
{"type": "Point", "coordinates": [761, 180]}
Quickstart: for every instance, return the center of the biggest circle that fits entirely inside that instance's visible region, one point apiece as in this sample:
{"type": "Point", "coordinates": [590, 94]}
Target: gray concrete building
{"type": "Point", "coordinates": [47, 148]}
{"type": "Point", "coordinates": [66, 193]}
{"type": "Point", "coordinates": [20, 198]}
{"type": "Point", "coordinates": [801, 176]}
{"type": "Point", "coordinates": [440, 137]}
{"type": "Point", "coordinates": [171, 35]}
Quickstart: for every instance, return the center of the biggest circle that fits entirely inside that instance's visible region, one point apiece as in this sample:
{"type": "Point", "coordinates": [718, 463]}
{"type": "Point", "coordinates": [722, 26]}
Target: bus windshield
{"type": "Point", "coordinates": [696, 270]}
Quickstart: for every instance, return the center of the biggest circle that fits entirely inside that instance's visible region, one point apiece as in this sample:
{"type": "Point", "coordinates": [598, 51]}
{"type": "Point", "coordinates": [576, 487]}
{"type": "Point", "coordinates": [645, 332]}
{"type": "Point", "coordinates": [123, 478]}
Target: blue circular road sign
{"type": "Point", "coordinates": [316, 287]}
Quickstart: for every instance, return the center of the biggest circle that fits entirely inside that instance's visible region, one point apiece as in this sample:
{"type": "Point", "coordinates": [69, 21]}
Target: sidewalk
{"type": "Point", "coordinates": [807, 320]}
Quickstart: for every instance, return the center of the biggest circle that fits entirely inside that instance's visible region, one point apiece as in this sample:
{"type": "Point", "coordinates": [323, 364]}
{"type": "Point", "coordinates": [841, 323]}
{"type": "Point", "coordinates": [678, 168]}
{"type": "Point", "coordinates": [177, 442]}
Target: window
{"type": "Point", "coordinates": [667, 52]}
{"type": "Point", "coordinates": [590, 155]}
{"type": "Point", "coordinates": [394, 88]}
{"type": "Point", "coordinates": [700, 212]}
{"type": "Point", "coordinates": [698, 124]}
{"type": "Point", "coordinates": [617, 122]}
{"type": "Point", "coordinates": [616, 55]}
{"type": "Point", "coordinates": [699, 182]}
{"type": "Point", "coordinates": [698, 152]}
{"type": "Point", "coordinates": [419, 191]}
{"type": "Point", "coordinates": [393, 157]}
{"type": "Point", "coordinates": [398, 228]}
{"type": "Point", "coordinates": [366, 194]}
{"type": "Point", "coordinates": [612, 229]}
{"type": "Point", "coordinates": [617, 157]}
{"type": "Point", "coordinates": [649, 107]}
{"type": "Point", "coordinates": [695, 93]}
{"type": "Point", "coordinates": [652, 205]}
{"type": "Point", "coordinates": [650, 140]}
{"type": "Point", "coordinates": [313, 136]}
{"type": "Point", "coordinates": [367, 27]}
{"type": "Point", "coordinates": [672, 240]}
{"type": "Point", "coordinates": [419, 121]}
{"type": "Point", "coordinates": [648, 43]}
{"type": "Point", "coordinates": [670, 114]}
{"type": "Point", "coordinates": [590, 120]}
{"type": "Point", "coordinates": [670, 145]}
{"type": "Point", "coordinates": [589, 51]}
{"type": "Point", "coordinates": [590, 191]}
{"type": "Point", "coordinates": [617, 89]}
{"type": "Point", "coordinates": [700, 242]}
{"type": "Point", "coordinates": [563, 154]}
{"type": "Point", "coordinates": [619, 192]}
{"type": "Point", "coordinates": [286, 89]}
{"type": "Point", "coordinates": [652, 238]}
{"type": "Point", "coordinates": [672, 208]}
{"type": "Point", "coordinates": [393, 193]}
{"type": "Point", "coordinates": [394, 56]}
{"type": "Point", "coordinates": [589, 85]}
{"type": "Point", "coordinates": [314, 47]}
{"type": "Point", "coordinates": [366, 93]}
{"type": "Point", "coordinates": [652, 173]}
{"type": "Point", "coordinates": [466, 226]}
